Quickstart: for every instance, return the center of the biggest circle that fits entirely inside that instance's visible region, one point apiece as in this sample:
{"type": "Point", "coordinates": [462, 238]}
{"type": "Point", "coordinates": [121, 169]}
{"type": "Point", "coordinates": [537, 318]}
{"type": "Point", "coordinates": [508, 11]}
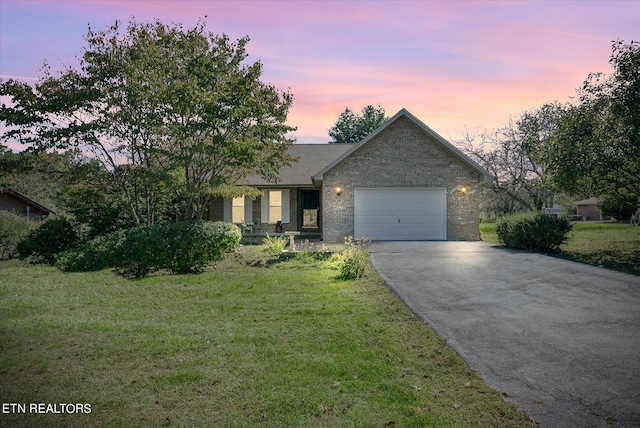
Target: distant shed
{"type": "Point", "coordinates": [588, 209]}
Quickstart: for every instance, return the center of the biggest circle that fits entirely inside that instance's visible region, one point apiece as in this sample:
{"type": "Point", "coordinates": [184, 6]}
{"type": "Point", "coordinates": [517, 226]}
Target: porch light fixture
{"type": "Point", "coordinates": [463, 190]}
{"type": "Point", "coordinates": [338, 190]}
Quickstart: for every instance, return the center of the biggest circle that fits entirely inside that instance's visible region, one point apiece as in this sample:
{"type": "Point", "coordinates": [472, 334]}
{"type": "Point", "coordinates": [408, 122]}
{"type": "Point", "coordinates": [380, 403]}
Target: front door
{"type": "Point", "coordinates": [310, 209]}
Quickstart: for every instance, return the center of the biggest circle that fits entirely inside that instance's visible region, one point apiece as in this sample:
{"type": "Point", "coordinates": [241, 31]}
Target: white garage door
{"type": "Point", "coordinates": [401, 214]}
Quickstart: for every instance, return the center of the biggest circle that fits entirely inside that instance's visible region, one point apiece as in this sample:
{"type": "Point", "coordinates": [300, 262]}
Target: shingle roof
{"type": "Point", "coordinates": [312, 158]}
{"type": "Point", "coordinates": [316, 159]}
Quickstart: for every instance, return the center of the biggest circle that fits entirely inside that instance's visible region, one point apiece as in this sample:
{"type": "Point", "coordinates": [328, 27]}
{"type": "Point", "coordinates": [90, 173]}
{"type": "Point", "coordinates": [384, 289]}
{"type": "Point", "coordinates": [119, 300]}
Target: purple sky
{"type": "Point", "coordinates": [456, 65]}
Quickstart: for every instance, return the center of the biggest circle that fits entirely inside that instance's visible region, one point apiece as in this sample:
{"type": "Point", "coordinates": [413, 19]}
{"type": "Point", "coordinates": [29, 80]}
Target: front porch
{"type": "Point", "coordinates": [253, 238]}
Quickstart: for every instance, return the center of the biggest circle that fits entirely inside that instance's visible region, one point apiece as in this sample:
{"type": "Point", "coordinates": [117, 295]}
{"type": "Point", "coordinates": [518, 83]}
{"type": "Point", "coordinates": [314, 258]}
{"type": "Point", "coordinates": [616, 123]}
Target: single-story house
{"type": "Point", "coordinates": [588, 209]}
{"type": "Point", "coordinates": [402, 182]}
{"type": "Point", "coordinates": [16, 202]}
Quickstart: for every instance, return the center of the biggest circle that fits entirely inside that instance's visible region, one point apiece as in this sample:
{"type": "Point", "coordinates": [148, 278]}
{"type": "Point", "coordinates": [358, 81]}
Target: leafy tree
{"type": "Point", "coordinates": [351, 128]}
{"type": "Point", "coordinates": [50, 238]}
{"type": "Point", "coordinates": [38, 175]}
{"type": "Point", "coordinates": [616, 207]}
{"type": "Point", "coordinates": [96, 211]}
{"type": "Point", "coordinates": [160, 108]}
{"type": "Point", "coordinates": [596, 149]}
{"type": "Point", "coordinates": [8, 164]}
{"type": "Point", "coordinates": [522, 180]}
{"type": "Point", "coordinates": [13, 229]}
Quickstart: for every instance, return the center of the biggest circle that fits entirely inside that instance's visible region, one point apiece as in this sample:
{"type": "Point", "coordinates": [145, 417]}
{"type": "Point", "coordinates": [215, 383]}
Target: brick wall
{"type": "Point", "coordinates": [402, 155]}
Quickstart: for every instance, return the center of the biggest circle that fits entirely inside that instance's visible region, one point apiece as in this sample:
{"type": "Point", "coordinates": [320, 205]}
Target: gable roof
{"type": "Point", "coordinates": [22, 198]}
{"type": "Point", "coordinates": [404, 113]}
{"type": "Point", "coordinates": [311, 159]}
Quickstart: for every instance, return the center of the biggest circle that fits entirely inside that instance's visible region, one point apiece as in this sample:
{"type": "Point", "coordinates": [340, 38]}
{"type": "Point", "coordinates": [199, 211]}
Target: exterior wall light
{"type": "Point", "coordinates": [463, 190]}
{"type": "Point", "coordinates": [338, 190]}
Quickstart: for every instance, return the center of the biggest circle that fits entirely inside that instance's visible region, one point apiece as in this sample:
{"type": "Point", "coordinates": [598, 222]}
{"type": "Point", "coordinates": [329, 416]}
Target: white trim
{"type": "Point", "coordinates": [286, 206]}
{"type": "Point", "coordinates": [226, 210]}
{"type": "Point", "coordinates": [248, 210]}
{"type": "Point", "coordinates": [264, 207]}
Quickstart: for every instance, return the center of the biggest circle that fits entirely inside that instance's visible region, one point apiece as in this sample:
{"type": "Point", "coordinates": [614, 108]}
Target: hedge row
{"type": "Point", "coordinates": [179, 247]}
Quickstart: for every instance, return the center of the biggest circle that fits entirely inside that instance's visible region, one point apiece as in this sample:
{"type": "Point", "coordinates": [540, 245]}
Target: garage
{"type": "Point", "coordinates": [401, 214]}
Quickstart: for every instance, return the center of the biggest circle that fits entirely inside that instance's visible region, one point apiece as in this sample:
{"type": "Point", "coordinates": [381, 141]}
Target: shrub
{"type": "Point", "coordinates": [275, 245]}
{"type": "Point", "coordinates": [355, 258]}
{"type": "Point", "coordinates": [53, 236]}
{"type": "Point", "coordinates": [94, 255]}
{"type": "Point", "coordinates": [534, 231]}
{"type": "Point", "coordinates": [13, 228]}
{"type": "Point", "coordinates": [227, 236]}
{"type": "Point", "coordinates": [180, 247]}
{"type": "Point", "coordinates": [141, 251]}
{"type": "Point", "coordinates": [189, 246]}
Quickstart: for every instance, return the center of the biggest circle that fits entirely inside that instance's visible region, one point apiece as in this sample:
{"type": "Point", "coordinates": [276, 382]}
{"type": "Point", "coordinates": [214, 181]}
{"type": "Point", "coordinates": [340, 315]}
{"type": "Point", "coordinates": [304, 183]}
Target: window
{"type": "Point", "coordinates": [237, 210]}
{"type": "Point", "coordinates": [275, 206]}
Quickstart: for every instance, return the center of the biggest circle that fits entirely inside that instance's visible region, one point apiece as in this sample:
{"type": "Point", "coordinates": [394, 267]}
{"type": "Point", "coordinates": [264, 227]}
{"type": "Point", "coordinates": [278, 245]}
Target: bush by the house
{"type": "Point", "coordinates": [13, 228]}
{"type": "Point", "coordinates": [189, 246]}
{"type": "Point", "coordinates": [52, 237]}
{"type": "Point", "coordinates": [533, 230]}
{"type": "Point", "coordinates": [179, 247]}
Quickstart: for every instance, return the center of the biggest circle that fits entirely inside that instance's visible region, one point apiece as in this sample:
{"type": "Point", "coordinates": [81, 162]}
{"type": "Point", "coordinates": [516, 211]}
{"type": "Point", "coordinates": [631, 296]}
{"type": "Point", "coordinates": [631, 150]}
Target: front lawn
{"type": "Point", "coordinates": [273, 345]}
{"type": "Point", "coordinates": [610, 245]}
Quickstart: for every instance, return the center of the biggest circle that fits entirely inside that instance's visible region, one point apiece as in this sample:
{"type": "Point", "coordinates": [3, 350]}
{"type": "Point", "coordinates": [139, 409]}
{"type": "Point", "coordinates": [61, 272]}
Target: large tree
{"type": "Point", "coordinates": [353, 128]}
{"type": "Point", "coordinates": [596, 149]}
{"type": "Point", "coordinates": [40, 176]}
{"type": "Point", "coordinates": [160, 107]}
{"type": "Point", "coordinates": [521, 180]}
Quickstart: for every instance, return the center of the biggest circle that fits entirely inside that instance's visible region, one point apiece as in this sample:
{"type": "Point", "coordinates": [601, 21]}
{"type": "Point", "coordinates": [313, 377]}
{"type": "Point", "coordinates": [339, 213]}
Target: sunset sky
{"type": "Point", "coordinates": [456, 65]}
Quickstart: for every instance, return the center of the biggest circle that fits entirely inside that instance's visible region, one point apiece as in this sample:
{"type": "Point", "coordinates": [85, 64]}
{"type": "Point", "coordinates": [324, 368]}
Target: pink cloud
{"type": "Point", "coordinates": [453, 64]}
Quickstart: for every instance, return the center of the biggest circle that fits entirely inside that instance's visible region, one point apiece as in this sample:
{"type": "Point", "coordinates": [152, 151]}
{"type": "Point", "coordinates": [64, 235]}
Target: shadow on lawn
{"type": "Point", "coordinates": [266, 259]}
{"type": "Point", "coordinates": [617, 260]}
{"type": "Point", "coordinates": [621, 261]}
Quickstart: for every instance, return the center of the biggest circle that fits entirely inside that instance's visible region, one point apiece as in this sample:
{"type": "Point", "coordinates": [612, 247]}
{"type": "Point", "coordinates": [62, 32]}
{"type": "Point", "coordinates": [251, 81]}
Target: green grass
{"type": "Point", "coordinates": [237, 346]}
{"type": "Point", "coordinates": [488, 233]}
{"type": "Point", "coordinates": [609, 245]}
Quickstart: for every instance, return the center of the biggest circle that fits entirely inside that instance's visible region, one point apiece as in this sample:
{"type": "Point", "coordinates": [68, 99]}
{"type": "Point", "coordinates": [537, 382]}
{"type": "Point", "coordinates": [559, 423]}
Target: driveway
{"type": "Point", "coordinates": [560, 338]}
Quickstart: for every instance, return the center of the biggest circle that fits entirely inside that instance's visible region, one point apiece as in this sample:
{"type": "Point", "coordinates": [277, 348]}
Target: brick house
{"type": "Point", "coordinates": [402, 182]}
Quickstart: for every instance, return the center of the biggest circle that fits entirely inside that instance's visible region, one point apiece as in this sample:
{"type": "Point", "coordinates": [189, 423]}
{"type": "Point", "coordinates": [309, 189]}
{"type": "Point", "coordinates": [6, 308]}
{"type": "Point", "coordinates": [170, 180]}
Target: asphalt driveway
{"type": "Point", "coordinates": [560, 338]}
